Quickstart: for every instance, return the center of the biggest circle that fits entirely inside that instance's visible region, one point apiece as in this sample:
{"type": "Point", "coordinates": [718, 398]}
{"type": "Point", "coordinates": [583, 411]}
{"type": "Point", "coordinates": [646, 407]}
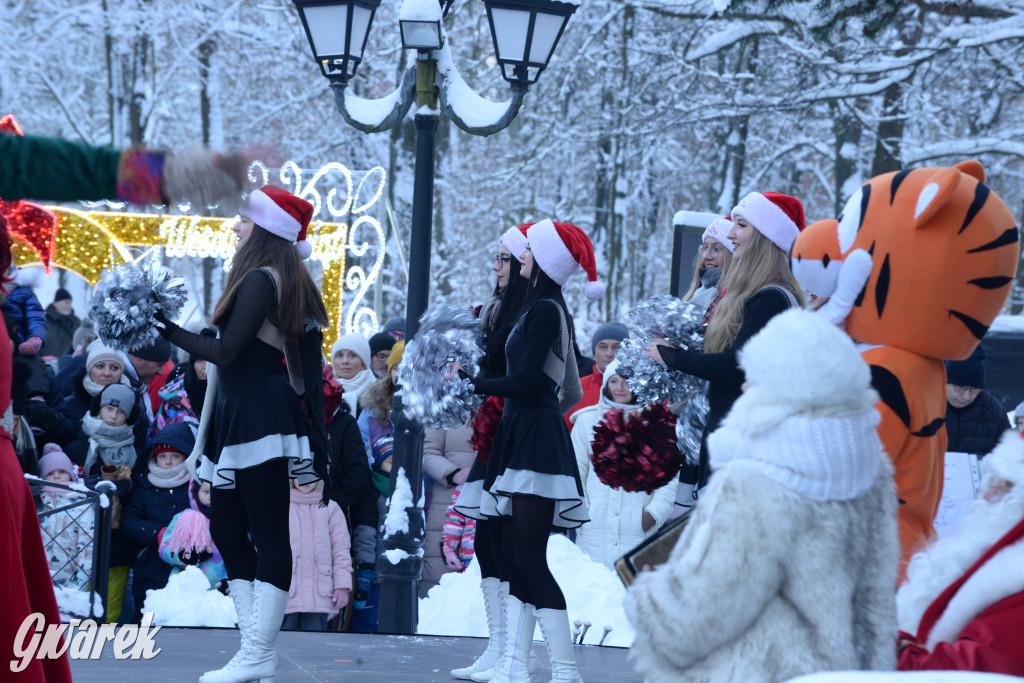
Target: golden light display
{"type": "Point", "coordinates": [89, 243]}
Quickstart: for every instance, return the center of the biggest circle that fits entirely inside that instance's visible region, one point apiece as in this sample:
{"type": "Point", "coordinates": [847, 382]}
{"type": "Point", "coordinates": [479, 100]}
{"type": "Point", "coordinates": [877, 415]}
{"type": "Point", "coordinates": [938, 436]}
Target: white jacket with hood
{"type": "Point", "coordinates": [616, 516]}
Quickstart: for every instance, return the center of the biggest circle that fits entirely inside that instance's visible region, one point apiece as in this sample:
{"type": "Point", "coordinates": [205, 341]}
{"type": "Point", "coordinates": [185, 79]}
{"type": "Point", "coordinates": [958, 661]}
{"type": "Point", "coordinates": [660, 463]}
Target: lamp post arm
{"type": "Point", "coordinates": [375, 116]}
{"type": "Point", "coordinates": [465, 108]}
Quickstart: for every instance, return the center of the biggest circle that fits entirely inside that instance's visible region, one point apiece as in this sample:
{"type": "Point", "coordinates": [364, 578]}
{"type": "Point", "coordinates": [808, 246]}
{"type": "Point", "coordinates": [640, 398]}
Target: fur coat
{"type": "Point", "coordinates": [789, 561]}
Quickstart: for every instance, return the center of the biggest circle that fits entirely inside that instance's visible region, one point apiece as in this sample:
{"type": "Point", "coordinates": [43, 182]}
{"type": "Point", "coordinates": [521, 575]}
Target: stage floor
{"type": "Point", "coordinates": [306, 657]}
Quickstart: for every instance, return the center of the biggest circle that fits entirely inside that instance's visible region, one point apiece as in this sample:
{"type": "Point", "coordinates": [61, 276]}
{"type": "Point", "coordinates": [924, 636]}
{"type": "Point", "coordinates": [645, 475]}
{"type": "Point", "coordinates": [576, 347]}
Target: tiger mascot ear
{"type": "Point", "coordinates": [938, 189]}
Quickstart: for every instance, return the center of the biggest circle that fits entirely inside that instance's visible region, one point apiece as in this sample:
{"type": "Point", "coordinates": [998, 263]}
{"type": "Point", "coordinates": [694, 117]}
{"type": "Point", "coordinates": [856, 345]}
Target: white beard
{"type": "Point", "coordinates": [932, 570]}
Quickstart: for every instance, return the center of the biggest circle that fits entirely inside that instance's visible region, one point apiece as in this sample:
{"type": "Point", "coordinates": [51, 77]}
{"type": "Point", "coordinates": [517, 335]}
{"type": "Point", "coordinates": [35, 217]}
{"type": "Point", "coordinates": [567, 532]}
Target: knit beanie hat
{"type": "Point", "coordinates": [560, 249]}
{"type": "Point", "coordinates": [158, 352]}
{"type": "Point", "coordinates": [394, 324]}
{"type": "Point", "coordinates": [396, 355]}
{"type": "Point", "coordinates": [777, 216]}
{"type": "Point", "coordinates": [719, 230]}
{"type": "Point", "coordinates": [61, 295]}
{"type": "Point", "coordinates": [281, 213]}
{"type": "Point", "coordinates": [97, 351]}
{"type": "Point", "coordinates": [118, 395]}
{"type": "Point", "coordinates": [614, 330]}
{"type": "Point", "coordinates": [969, 372]}
{"type": "Point", "coordinates": [382, 341]}
{"type": "Point", "coordinates": [514, 239]}
{"type": "Point", "coordinates": [85, 331]}
{"type": "Point", "coordinates": [357, 344]}
{"type": "Point", "coordinates": [54, 459]}
{"type": "Point", "coordinates": [381, 450]}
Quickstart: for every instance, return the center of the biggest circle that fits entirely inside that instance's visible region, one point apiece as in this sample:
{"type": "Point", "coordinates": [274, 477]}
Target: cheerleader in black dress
{"type": "Point", "coordinates": [254, 434]}
{"type": "Point", "coordinates": [532, 483]}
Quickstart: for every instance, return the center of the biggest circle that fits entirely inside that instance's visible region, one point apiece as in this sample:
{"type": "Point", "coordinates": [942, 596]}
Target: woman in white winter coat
{"type": "Point", "coordinates": [619, 520]}
{"type": "Point", "coordinates": [789, 561]}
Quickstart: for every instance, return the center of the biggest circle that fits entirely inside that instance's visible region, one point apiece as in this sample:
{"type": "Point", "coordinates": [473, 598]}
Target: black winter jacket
{"type": "Point", "coordinates": [350, 473]}
{"type": "Point", "coordinates": [149, 511]}
{"type": "Point", "coordinates": [976, 428]}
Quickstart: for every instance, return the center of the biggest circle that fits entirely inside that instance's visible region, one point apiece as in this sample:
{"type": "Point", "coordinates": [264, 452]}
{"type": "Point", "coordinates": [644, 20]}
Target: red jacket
{"type": "Point", "coordinates": [988, 622]}
{"type": "Point", "coordinates": [591, 393]}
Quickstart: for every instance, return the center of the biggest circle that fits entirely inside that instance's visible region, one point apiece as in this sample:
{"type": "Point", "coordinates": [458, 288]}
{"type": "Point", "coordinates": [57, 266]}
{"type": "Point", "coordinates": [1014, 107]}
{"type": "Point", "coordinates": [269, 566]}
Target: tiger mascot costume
{"type": "Point", "coordinates": [918, 266]}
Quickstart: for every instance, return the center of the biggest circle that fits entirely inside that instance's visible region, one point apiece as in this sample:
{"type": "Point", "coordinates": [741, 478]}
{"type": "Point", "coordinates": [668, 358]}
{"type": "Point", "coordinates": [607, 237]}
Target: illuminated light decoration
{"type": "Point", "coordinates": [91, 242]}
{"type": "Point", "coordinates": [29, 222]}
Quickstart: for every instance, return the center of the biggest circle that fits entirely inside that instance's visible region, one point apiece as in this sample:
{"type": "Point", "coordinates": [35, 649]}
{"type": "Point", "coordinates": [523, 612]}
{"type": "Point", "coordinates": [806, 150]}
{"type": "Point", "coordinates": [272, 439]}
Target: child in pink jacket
{"type": "Point", "coordinates": [321, 560]}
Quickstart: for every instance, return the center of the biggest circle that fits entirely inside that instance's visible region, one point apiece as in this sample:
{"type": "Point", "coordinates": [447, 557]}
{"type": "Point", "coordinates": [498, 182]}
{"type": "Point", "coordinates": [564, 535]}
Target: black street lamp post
{"type": "Point", "coordinates": [525, 34]}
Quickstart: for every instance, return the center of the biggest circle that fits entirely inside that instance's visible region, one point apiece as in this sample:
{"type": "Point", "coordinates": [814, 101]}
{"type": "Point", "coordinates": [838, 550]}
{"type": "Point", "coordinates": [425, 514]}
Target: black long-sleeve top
{"type": "Point", "coordinates": [254, 300]}
{"type": "Point", "coordinates": [541, 327]}
{"type": "Point", "coordinates": [722, 370]}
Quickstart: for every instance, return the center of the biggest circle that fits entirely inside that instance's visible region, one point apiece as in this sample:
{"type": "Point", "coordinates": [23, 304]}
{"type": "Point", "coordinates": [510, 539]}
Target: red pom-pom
{"type": "Point", "coordinates": [485, 426]}
{"type": "Point", "coordinates": [636, 452]}
{"type": "Point", "coordinates": [332, 394]}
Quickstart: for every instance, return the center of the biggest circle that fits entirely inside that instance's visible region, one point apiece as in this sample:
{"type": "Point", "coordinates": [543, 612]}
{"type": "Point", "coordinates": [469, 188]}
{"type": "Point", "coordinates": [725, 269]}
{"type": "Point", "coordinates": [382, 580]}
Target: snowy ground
{"type": "Point", "coordinates": [593, 593]}
{"type": "Point", "coordinates": [188, 601]}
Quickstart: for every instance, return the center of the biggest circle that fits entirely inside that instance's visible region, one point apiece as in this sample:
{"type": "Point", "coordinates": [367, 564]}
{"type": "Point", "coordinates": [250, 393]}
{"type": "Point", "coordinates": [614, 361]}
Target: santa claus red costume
{"type": "Point", "coordinates": [962, 607]}
{"type": "Point", "coordinates": [24, 572]}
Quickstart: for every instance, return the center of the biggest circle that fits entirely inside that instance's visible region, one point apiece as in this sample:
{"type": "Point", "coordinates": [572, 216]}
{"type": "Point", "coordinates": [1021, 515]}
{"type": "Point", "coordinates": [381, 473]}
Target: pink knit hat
{"type": "Point", "coordinates": [54, 459]}
{"type": "Point", "coordinates": [777, 216]}
{"type": "Point", "coordinates": [719, 230]}
{"type": "Point", "coordinates": [560, 249]}
{"type": "Point", "coordinates": [281, 213]}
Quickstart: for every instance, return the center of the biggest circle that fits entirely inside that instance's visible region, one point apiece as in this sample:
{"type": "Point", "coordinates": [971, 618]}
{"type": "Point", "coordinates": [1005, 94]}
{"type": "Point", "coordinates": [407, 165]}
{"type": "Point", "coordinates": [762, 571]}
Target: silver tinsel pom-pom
{"type": "Point", "coordinates": [447, 333]}
{"type": "Point", "coordinates": [680, 323]}
{"type": "Point", "coordinates": [690, 426]}
{"type": "Point", "coordinates": [126, 300]}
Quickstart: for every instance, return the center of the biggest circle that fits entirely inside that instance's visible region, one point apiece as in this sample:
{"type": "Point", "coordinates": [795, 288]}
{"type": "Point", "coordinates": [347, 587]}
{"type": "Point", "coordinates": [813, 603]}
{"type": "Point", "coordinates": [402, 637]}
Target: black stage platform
{"type": "Point", "coordinates": [307, 657]}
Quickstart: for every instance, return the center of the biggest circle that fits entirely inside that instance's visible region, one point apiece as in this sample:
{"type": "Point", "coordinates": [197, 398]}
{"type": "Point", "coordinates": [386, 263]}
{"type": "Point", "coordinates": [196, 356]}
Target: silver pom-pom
{"type": "Point", "coordinates": [690, 426]}
{"type": "Point", "coordinates": [681, 324]}
{"type": "Point", "coordinates": [126, 300]}
{"type": "Point", "coordinates": [447, 334]}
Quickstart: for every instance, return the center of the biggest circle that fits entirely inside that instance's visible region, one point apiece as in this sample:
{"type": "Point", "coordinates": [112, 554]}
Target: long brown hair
{"type": "Point", "coordinates": [379, 397]}
{"type": "Point", "coordinates": [762, 264]}
{"type": "Point", "coordinates": [297, 296]}
{"type": "Point", "coordinates": [696, 283]}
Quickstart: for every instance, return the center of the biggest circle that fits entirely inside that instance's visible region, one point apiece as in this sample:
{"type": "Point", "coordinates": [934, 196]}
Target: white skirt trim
{"type": "Point", "coordinates": [244, 456]}
{"type": "Point", "coordinates": [570, 508]}
{"type": "Point", "coordinates": [470, 499]}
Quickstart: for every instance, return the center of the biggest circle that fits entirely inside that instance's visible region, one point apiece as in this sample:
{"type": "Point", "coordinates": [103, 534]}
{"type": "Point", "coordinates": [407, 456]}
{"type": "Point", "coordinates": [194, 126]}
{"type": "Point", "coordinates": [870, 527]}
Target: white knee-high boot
{"type": "Point", "coordinates": [257, 660]}
{"type": "Point", "coordinates": [494, 605]}
{"type": "Point", "coordinates": [485, 675]}
{"type": "Point", "coordinates": [554, 624]}
{"type": "Point", "coordinates": [240, 592]}
{"type": "Point", "coordinates": [519, 624]}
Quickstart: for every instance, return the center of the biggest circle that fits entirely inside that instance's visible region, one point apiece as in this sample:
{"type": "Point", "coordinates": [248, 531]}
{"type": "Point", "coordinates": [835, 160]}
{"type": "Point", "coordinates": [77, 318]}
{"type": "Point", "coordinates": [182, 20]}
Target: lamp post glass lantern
{"type": "Point", "coordinates": [525, 33]}
{"type": "Point", "coordinates": [337, 32]}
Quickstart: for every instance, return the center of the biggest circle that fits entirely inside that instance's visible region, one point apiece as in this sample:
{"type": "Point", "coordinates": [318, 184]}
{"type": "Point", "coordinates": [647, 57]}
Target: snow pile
{"type": "Point", "coordinates": [74, 603]}
{"type": "Point", "coordinates": [397, 519]}
{"type": "Point", "coordinates": [455, 607]}
{"type": "Point", "coordinates": [420, 10]}
{"type": "Point", "coordinates": [187, 600]}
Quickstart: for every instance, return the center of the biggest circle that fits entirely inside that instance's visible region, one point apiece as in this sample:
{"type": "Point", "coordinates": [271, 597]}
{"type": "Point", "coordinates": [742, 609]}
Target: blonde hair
{"type": "Point", "coordinates": [379, 397]}
{"type": "Point", "coordinates": [696, 283]}
{"type": "Point", "coordinates": [763, 264]}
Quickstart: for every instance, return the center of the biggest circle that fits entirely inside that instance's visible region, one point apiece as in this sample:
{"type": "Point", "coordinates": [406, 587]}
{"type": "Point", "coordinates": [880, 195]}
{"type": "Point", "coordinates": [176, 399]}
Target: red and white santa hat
{"type": "Point", "coordinates": [514, 239]}
{"type": "Point", "coordinates": [777, 216]}
{"type": "Point", "coordinates": [281, 213]}
{"type": "Point", "coordinates": [719, 230]}
{"type": "Point", "coordinates": [560, 249]}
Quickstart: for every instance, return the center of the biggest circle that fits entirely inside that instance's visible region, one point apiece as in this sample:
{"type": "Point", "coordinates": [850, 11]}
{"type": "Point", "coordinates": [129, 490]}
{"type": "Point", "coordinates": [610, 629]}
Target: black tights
{"type": "Point", "coordinates": [254, 515]}
{"type": "Point", "coordinates": [487, 548]}
{"type": "Point", "coordinates": [524, 552]}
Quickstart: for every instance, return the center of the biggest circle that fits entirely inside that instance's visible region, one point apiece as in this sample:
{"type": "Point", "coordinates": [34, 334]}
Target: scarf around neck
{"type": "Point", "coordinates": [821, 458]}
{"type": "Point", "coordinates": [167, 478]}
{"type": "Point", "coordinates": [92, 388]}
{"type": "Point", "coordinates": [111, 445]}
{"type": "Point", "coordinates": [354, 388]}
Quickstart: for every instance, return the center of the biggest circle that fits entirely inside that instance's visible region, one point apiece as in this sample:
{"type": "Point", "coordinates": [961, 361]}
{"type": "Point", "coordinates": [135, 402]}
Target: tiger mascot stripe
{"type": "Point", "coordinates": [930, 256]}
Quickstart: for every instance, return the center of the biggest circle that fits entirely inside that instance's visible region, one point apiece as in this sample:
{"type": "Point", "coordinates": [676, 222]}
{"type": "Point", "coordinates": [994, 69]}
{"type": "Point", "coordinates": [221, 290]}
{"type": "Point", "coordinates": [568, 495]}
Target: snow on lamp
{"type": "Point", "coordinates": [525, 33]}
{"type": "Point", "coordinates": [337, 32]}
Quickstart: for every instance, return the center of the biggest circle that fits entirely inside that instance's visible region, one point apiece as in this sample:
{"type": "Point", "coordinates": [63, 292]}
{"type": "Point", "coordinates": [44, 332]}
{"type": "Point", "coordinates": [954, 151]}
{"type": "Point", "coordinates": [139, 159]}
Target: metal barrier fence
{"type": "Point", "coordinates": [93, 505]}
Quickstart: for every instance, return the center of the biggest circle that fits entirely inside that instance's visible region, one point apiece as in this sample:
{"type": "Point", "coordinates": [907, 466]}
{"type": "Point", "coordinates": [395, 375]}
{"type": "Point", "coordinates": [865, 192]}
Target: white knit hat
{"type": "Point", "coordinates": [514, 239]}
{"type": "Point", "coordinates": [355, 343]}
{"type": "Point", "coordinates": [719, 230]}
{"type": "Point", "coordinates": [281, 213]}
{"type": "Point", "coordinates": [777, 216]}
{"type": "Point", "coordinates": [97, 351]}
{"type": "Point", "coordinates": [561, 249]}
